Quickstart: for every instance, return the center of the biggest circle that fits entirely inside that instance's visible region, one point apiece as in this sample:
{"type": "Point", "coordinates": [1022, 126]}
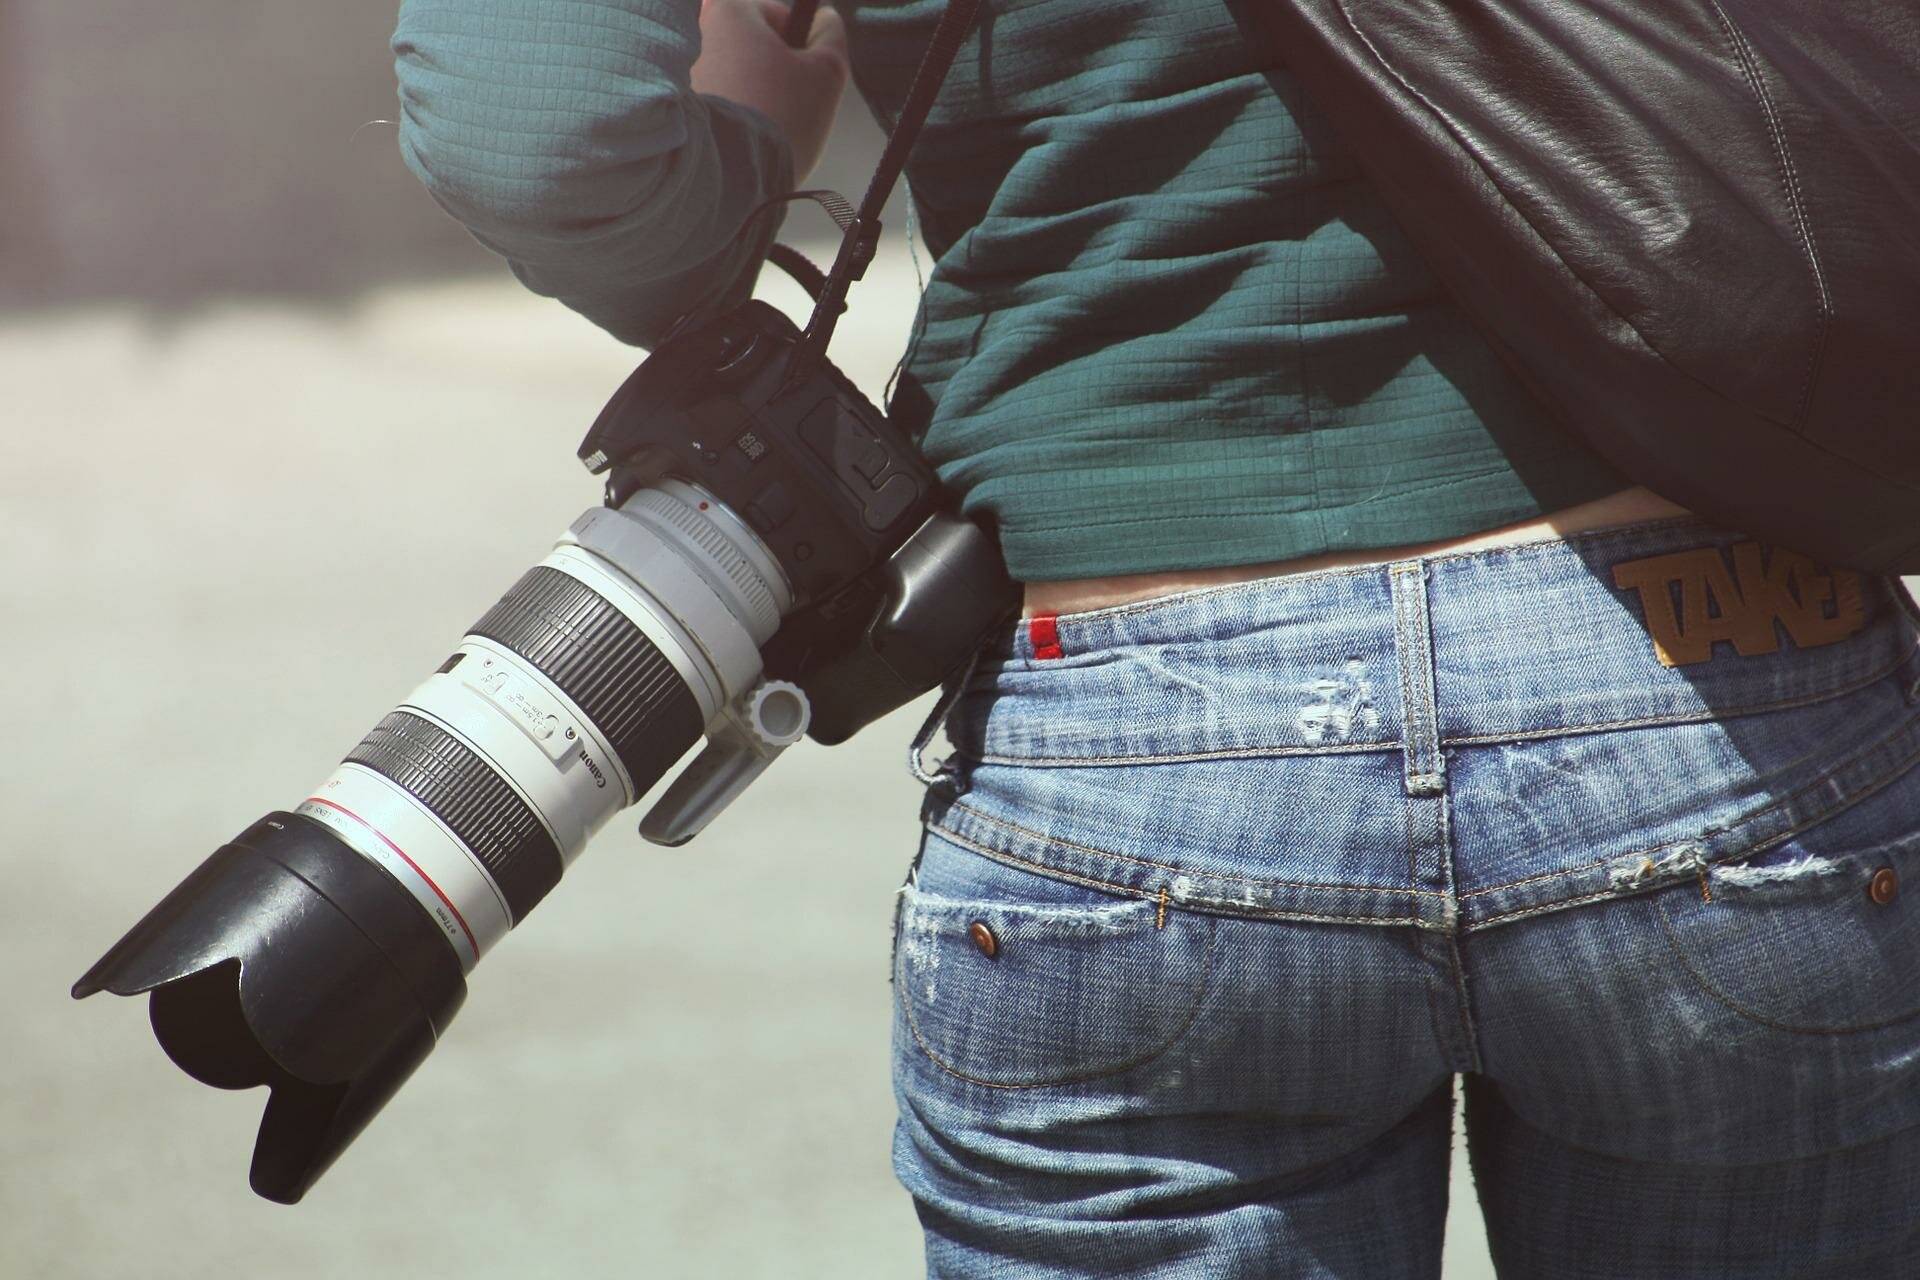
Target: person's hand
{"type": "Point", "coordinates": [744, 59]}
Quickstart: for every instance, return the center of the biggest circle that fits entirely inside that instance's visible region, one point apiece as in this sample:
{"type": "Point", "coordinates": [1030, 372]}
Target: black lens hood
{"type": "Point", "coordinates": [289, 960]}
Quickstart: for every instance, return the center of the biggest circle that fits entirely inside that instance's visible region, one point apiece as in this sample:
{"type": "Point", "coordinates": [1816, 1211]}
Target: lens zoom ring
{"type": "Point", "coordinates": [466, 793]}
{"type": "Point", "coordinates": [599, 658]}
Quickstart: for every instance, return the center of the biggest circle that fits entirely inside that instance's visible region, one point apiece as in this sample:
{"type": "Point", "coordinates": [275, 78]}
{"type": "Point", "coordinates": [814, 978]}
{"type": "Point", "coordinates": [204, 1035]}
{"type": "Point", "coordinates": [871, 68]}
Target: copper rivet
{"type": "Point", "coordinates": [983, 938]}
{"type": "Point", "coordinates": [1885, 883]}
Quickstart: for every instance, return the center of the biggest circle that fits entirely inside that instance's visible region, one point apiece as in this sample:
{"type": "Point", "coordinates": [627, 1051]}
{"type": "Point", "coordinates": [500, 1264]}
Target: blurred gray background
{"type": "Point", "coordinates": [276, 431]}
{"type": "Point", "coordinates": [173, 152]}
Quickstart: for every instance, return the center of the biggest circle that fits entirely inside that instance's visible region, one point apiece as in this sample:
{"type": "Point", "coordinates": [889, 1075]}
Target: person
{"type": "Point", "coordinates": [1364, 729]}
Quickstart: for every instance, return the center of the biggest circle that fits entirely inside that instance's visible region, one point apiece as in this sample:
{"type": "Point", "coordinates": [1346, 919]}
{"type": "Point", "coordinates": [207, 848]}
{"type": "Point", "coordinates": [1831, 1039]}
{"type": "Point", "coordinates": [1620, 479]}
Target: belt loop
{"type": "Point", "coordinates": [1043, 633]}
{"type": "Point", "coordinates": [1426, 768]}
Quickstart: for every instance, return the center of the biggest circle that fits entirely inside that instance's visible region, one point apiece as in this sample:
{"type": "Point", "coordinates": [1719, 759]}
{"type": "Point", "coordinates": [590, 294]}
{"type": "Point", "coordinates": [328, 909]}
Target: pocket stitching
{"type": "Point", "coordinates": [1712, 989]}
{"type": "Point", "coordinates": [1178, 1034]}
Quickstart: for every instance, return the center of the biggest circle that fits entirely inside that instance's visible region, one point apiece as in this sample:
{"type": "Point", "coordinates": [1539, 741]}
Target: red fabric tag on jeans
{"type": "Point", "coordinates": [1045, 635]}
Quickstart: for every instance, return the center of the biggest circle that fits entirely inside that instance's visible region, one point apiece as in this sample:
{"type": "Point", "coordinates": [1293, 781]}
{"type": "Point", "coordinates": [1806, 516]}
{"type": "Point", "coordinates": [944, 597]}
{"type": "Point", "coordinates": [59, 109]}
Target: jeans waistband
{"type": "Point", "coordinates": [1666, 621]}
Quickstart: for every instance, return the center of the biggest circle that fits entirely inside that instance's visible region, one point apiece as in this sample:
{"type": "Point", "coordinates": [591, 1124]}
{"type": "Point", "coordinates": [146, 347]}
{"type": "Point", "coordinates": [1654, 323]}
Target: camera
{"type": "Point", "coordinates": [773, 559]}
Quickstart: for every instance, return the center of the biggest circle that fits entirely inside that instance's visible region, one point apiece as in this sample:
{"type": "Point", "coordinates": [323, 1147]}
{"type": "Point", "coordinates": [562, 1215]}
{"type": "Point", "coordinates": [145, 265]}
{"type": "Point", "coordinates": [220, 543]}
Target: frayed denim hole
{"type": "Point", "coordinates": [1841, 849]}
{"type": "Point", "coordinates": [1784, 879]}
{"type": "Point", "coordinates": [1651, 870]}
{"type": "Point", "coordinates": [1102, 920]}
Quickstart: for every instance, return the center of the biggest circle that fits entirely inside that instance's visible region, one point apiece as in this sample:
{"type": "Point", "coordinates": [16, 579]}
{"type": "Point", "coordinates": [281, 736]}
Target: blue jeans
{"type": "Point", "coordinates": [1221, 891]}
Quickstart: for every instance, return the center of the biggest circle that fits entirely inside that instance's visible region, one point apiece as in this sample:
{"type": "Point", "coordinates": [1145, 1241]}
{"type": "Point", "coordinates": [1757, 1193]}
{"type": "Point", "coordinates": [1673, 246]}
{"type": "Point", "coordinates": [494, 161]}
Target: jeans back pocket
{"type": "Point", "coordinates": [1819, 934]}
{"type": "Point", "coordinates": [1013, 995]}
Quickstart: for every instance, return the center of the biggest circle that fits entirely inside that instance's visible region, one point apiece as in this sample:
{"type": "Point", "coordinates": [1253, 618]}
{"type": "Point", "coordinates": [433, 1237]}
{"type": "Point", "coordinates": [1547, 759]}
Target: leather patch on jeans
{"type": "Point", "coordinates": [1740, 602]}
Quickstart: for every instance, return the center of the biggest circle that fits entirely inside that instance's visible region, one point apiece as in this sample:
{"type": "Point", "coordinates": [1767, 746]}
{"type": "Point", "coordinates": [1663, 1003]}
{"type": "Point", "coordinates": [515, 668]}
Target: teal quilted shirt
{"type": "Point", "coordinates": [1168, 324]}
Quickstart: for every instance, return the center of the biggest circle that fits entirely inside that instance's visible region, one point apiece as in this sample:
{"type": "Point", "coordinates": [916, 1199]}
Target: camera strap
{"type": "Point", "coordinates": [860, 228]}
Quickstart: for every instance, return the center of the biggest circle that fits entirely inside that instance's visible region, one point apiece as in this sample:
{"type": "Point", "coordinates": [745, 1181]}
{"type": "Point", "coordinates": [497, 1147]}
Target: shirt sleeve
{"type": "Point", "coordinates": [565, 134]}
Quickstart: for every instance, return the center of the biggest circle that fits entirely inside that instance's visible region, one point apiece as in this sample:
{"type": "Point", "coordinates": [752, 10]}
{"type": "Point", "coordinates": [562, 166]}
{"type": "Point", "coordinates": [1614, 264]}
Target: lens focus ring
{"type": "Point", "coordinates": [596, 656]}
{"type": "Point", "coordinates": [467, 794]}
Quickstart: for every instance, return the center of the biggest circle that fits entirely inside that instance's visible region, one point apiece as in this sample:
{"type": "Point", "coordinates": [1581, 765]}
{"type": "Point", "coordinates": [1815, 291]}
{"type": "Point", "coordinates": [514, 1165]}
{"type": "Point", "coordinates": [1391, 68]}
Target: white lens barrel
{"type": "Point", "coordinates": [565, 703]}
{"type": "Point", "coordinates": [735, 563]}
{"type": "Point", "coordinates": [702, 567]}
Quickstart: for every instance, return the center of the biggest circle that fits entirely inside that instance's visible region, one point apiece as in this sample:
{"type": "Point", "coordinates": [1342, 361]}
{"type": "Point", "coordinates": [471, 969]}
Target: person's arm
{"type": "Point", "coordinates": [568, 137]}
